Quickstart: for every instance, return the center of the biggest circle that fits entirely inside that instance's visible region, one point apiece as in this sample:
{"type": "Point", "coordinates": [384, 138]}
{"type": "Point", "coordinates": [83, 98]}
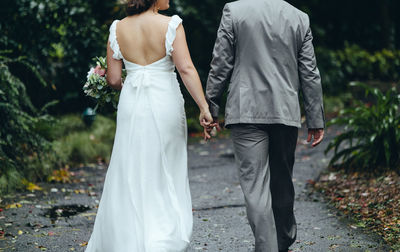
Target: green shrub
{"type": "Point", "coordinates": [64, 35]}
{"type": "Point", "coordinates": [333, 104]}
{"type": "Point", "coordinates": [340, 67]}
{"type": "Point", "coordinates": [24, 151]}
{"type": "Point", "coordinates": [75, 143]}
{"type": "Point", "coordinates": [194, 125]}
{"type": "Point", "coordinates": [371, 140]}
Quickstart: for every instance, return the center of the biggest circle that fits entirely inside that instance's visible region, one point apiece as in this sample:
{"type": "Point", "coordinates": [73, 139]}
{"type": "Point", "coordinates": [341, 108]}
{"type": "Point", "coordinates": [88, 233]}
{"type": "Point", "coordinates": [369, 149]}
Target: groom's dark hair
{"type": "Point", "coordinates": [134, 7]}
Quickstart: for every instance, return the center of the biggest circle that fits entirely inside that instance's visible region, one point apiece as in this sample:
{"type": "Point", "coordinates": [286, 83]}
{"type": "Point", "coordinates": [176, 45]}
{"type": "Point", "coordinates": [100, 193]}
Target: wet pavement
{"type": "Point", "coordinates": [61, 216]}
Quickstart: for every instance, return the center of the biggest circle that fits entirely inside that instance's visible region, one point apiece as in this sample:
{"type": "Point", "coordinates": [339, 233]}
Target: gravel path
{"type": "Point", "coordinates": [220, 222]}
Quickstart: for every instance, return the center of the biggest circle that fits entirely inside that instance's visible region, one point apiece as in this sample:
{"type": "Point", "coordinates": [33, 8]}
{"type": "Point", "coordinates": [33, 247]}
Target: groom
{"type": "Point", "coordinates": [264, 51]}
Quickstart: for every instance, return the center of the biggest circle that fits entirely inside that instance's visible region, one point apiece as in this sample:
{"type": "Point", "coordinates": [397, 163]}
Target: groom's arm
{"type": "Point", "coordinates": [310, 82]}
{"type": "Point", "coordinates": [222, 62]}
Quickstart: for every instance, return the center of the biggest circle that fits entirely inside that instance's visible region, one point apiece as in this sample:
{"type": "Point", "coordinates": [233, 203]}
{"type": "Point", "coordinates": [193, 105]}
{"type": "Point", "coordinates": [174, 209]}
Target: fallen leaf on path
{"type": "Point", "coordinates": [62, 175]}
{"type": "Point", "coordinates": [31, 186]}
{"type": "Point", "coordinates": [14, 205]}
{"type": "Point", "coordinates": [372, 200]}
{"type": "Point", "coordinates": [87, 214]}
{"type": "Point", "coordinates": [333, 246]}
{"type": "Point", "coordinates": [83, 244]}
{"type": "Point", "coordinates": [309, 243]}
{"type": "Point", "coordinates": [43, 248]}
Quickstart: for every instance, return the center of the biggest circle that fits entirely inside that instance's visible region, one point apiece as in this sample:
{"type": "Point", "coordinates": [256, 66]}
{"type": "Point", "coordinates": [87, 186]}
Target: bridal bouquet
{"type": "Point", "coordinates": [96, 84]}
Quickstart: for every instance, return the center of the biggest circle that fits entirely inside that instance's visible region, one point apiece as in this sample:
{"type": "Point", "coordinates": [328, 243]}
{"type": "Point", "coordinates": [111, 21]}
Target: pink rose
{"type": "Point", "coordinates": [100, 71]}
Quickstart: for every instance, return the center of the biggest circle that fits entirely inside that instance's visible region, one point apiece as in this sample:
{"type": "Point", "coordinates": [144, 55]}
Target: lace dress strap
{"type": "Point", "coordinates": [113, 41]}
{"type": "Point", "coordinates": [171, 33]}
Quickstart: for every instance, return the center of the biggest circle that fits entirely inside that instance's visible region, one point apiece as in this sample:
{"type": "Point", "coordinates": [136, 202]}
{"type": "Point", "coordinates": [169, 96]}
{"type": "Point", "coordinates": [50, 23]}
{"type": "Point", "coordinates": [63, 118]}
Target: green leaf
{"type": "Point", "coordinates": [371, 135]}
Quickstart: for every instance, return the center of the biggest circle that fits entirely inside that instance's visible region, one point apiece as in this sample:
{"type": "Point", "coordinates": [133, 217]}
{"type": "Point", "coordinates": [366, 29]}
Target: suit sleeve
{"type": "Point", "coordinates": [310, 83]}
{"type": "Point", "coordinates": [222, 62]}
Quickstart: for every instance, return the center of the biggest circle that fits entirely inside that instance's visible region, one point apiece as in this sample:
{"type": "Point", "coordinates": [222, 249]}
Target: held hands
{"type": "Point", "coordinates": [317, 134]}
{"type": "Point", "coordinates": [211, 129]}
{"type": "Point", "coordinates": [208, 123]}
{"type": "Point", "coordinates": [206, 120]}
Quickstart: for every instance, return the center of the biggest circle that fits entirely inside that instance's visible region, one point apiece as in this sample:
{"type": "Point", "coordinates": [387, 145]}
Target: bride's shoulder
{"type": "Point", "coordinates": [121, 22]}
{"type": "Point", "coordinates": [168, 19]}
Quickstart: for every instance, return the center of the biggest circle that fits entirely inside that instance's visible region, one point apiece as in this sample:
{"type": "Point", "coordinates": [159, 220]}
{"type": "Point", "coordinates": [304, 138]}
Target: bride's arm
{"type": "Point", "coordinates": [189, 75]}
{"type": "Point", "coordinates": [114, 70]}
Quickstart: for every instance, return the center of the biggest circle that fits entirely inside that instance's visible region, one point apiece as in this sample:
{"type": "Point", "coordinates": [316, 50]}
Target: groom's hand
{"type": "Point", "coordinates": [206, 133]}
{"type": "Point", "coordinates": [208, 129]}
{"type": "Point", "coordinates": [216, 124]}
{"type": "Point", "coordinates": [317, 134]}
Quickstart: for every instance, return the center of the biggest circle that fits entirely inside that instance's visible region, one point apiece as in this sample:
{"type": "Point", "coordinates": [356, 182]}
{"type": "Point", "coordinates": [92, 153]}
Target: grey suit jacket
{"type": "Point", "coordinates": [264, 51]}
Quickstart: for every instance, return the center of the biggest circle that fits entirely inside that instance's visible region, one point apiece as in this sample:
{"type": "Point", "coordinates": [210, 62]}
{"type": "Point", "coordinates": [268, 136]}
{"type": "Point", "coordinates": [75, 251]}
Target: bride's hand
{"type": "Point", "coordinates": [205, 118]}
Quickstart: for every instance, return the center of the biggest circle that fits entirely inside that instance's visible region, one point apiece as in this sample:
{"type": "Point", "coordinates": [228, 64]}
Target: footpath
{"type": "Point", "coordinates": [60, 217]}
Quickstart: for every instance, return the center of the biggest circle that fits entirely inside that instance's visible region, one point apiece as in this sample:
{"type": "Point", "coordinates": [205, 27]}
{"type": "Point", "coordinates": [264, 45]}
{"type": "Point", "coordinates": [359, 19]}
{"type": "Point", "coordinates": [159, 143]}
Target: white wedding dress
{"type": "Point", "coordinates": [146, 204]}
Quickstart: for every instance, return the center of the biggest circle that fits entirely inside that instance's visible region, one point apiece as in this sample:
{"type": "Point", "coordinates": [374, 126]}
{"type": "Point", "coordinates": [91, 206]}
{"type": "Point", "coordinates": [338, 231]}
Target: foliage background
{"type": "Point", "coordinates": [355, 41]}
{"type": "Point", "coordinates": [61, 37]}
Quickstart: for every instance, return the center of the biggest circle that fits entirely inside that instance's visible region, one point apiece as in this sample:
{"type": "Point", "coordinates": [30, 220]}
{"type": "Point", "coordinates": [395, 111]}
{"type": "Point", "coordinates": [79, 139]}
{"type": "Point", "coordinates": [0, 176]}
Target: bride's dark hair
{"type": "Point", "coordinates": [134, 7]}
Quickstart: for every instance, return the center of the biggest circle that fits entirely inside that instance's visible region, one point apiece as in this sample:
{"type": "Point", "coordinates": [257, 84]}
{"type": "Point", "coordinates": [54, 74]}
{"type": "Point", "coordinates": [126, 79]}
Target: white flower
{"type": "Point", "coordinates": [90, 73]}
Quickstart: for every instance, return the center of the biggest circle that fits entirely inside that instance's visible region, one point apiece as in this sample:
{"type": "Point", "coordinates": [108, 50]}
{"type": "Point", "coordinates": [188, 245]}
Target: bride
{"type": "Point", "coordinates": [146, 205]}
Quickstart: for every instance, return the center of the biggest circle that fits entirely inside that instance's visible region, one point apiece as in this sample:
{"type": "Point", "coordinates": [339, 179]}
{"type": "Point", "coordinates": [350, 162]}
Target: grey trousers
{"type": "Point", "coordinates": [265, 155]}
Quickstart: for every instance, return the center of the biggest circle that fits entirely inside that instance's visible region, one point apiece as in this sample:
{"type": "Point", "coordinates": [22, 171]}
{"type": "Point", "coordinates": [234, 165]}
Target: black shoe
{"type": "Point", "coordinates": [284, 250]}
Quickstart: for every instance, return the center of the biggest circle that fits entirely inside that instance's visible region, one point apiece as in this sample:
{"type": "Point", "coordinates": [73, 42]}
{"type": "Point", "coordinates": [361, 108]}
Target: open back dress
{"type": "Point", "coordinates": [146, 205]}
